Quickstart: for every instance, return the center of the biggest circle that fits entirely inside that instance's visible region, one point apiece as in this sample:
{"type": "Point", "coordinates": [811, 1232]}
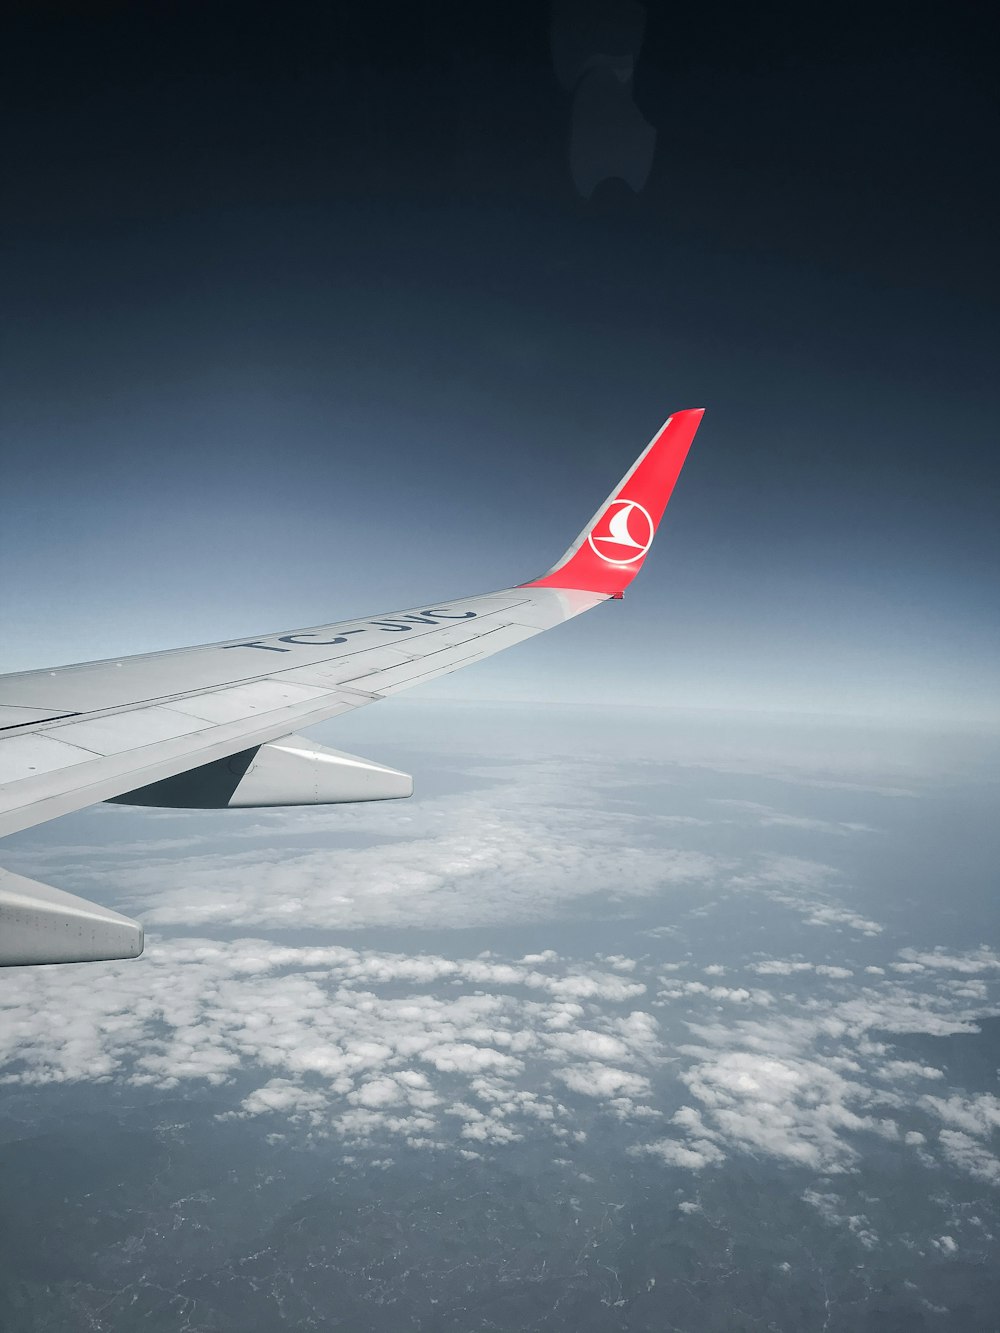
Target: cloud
{"type": "Point", "coordinates": [595, 1080]}
{"type": "Point", "coordinates": [794, 882]}
{"type": "Point", "coordinates": [767, 817]}
{"type": "Point", "coordinates": [619, 962]}
{"type": "Point", "coordinates": [348, 1042]}
{"type": "Point", "coordinates": [806, 1083]}
{"type": "Point", "coordinates": [976, 1115]}
{"type": "Point", "coordinates": [822, 914]}
{"type": "Point", "coordinates": [377, 1092]}
{"type": "Point", "coordinates": [776, 967]}
{"type": "Point", "coordinates": [968, 1154]}
{"type": "Point", "coordinates": [828, 1207]}
{"type": "Point", "coordinates": [673, 990]}
{"type": "Point", "coordinates": [983, 959]}
{"type": "Point", "coordinates": [370, 1044]}
{"type": "Point", "coordinates": [472, 1053]}
{"type": "Point", "coordinates": [519, 852]}
{"type": "Point", "coordinates": [896, 1069]}
{"type": "Point", "coordinates": [789, 872]}
{"type": "Point", "coordinates": [790, 1107]}
{"type": "Point", "coordinates": [692, 1154]}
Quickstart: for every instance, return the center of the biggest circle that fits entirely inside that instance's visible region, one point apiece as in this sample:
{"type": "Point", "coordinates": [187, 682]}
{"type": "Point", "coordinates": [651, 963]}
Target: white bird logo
{"type": "Point", "coordinates": [619, 532]}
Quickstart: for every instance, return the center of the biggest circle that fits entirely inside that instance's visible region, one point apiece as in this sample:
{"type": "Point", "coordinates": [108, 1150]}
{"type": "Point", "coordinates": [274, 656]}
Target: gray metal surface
{"type": "Point", "coordinates": [127, 723]}
{"type": "Point", "coordinates": [40, 924]}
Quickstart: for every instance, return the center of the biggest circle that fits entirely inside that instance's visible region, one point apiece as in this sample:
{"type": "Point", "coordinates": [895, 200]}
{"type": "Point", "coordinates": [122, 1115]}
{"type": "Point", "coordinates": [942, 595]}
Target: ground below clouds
{"type": "Point", "coordinates": [569, 1044]}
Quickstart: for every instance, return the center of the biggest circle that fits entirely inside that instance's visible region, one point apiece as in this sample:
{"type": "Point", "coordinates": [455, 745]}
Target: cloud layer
{"type": "Point", "coordinates": [796, 1056]}
{"type": "Point", "coordinates": [365, 1045]}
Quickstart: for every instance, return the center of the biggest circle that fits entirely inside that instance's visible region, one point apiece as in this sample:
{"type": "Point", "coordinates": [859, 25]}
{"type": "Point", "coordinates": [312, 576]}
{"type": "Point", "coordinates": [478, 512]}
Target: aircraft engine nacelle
{"type": "Point", "coordinates": [290, 771]}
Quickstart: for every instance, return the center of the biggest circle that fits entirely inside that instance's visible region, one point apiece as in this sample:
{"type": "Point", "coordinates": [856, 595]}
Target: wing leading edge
{"type": "Point", "coordinates": [207, 719]}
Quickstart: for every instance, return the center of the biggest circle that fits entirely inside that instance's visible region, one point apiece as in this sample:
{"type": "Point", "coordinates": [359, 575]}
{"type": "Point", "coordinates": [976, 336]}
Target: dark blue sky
{"type": "Point", "coordinates": [305, 317]}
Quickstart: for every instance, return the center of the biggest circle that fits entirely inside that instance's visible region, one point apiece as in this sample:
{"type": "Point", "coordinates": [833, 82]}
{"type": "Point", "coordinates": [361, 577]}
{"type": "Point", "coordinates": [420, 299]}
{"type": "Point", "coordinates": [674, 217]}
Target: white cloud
{"type": "Point", "coordinates": [368, 1044]}
{"type": "Point", "coordinates": [790, 1107]}
{"type": "Point", "coordinates": [768, 817]}
{"type": "Point", "coordinates": [968, 1154]}
{"type": "Point", "coordinates": [589, 1045]}
{"type": "Point", "coordinates": [978, 1115]}
{"type": "Point", "coordinates": [619, 962]}
{"type": "Point", "coordinates": [828, 1207]}
{"type": "Point", "coordinates": [786, 873]}
{"type": "Point", "coordinates": [795, 882]}
{"type": "Point", "coordinates": [481, 1051]}
{"type": "Point", "coordinates": [376, 1092]}
{"type": "Point", "coordinates": [894, 1069]}
{"type": "Point", "coordinates": [983, 959]}
{"type": "Point", "coordinates": [286, 1097]}
{"type": "Point", "coordinates": [519, 852]}
{"type": "Point", "coordinates": [356, 1043]}
{"type": "Point", "coordinates": [692, 1154]}
{"type": "Point", "coordinates": [673, 990]}
{"type": "Point", "coordinates": [803, 1084]}
{"type": "Point", "coordinates": [594, 1080]}
{"type": "Point", "coordinates": [776, 967]}
{"type": "Point", "coordinates": [823, 914]}
{"type": "Point", "coordinates": [462, 1057]}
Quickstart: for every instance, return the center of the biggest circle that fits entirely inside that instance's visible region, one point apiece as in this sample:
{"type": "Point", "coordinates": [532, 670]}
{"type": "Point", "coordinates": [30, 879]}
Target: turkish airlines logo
{"type": "Point", "coordinates": [623, 534]}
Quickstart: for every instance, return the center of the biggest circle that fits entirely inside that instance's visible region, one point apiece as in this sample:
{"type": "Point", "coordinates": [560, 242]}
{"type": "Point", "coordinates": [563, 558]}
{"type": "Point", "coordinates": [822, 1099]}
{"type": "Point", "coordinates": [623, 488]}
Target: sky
{"type": "Point", "coordinates": [672, 996]}
{"type": "Point", "coordinates": [323, 316]}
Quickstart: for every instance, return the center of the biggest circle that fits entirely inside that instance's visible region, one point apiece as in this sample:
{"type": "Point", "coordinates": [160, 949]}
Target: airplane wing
{"type": "Point", "coordinates": [214, 726]}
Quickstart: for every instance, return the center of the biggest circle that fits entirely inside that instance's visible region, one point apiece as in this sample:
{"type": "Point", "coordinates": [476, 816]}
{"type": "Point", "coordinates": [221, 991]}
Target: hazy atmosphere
{"type": "Point", "coordinates": [671, 1000]}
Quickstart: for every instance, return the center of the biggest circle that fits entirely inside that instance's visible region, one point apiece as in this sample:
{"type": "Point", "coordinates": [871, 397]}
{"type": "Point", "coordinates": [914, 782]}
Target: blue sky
{"type": "Point", "coordinates": [796, 566]}
{"type": "Point", "coordinates": [339, 362]}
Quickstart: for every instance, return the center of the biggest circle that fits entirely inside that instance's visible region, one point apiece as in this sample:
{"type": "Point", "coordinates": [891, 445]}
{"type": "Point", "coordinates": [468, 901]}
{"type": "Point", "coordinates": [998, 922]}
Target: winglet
{"type": "Point", "coordinates": [610, 550]}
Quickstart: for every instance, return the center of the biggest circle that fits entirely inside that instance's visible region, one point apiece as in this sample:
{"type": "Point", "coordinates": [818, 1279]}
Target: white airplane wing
{"type": "Point", "coordinates": [214, 726]}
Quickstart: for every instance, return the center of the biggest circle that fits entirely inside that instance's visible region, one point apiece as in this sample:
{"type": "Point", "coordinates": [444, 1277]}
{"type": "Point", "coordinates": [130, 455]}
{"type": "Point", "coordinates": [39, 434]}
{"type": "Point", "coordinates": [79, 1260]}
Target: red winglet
{"type": "Point", "coordinates": [610, 550]}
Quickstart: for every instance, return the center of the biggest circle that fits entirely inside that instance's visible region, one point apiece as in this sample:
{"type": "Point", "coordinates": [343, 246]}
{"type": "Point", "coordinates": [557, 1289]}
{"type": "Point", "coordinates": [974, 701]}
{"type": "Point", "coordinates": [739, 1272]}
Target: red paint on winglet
{"type": "Point", "coordinates": [609, 553]}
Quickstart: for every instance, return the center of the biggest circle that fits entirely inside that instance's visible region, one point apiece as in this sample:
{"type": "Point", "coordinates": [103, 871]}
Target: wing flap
{"type": "Point", "coordinates": [31, 753]}
{"type": "Point", "coordinates": [114, 732]}
{"type": "Point", "coordinates": [247, 701]}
